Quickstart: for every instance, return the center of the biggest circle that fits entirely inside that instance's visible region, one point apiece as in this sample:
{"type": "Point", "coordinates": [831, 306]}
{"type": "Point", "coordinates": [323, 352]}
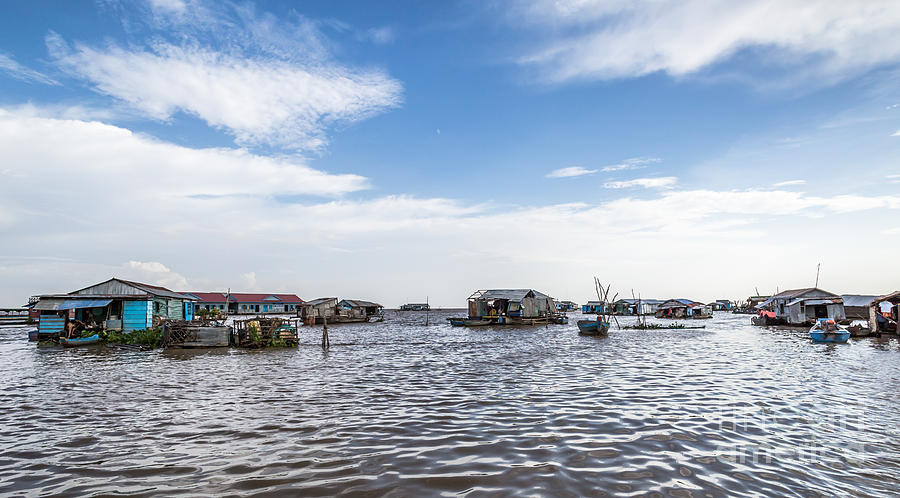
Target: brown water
{"type": "Point", "coordinates": [400, 408]}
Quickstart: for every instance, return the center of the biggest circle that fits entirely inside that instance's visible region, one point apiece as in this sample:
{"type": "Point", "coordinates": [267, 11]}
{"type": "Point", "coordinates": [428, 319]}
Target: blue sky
{"type": "Point", "coordinates": [396, 150]}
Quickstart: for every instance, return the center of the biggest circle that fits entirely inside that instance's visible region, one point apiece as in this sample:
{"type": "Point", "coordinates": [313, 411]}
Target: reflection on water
{"type": "Point", "coordinates": [397, 407]}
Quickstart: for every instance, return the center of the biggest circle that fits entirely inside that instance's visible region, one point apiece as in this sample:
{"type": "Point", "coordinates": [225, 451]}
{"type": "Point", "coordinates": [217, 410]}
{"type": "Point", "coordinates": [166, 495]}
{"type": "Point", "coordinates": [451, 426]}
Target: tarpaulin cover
{"type": "Point", "coordinates": [71, 304]}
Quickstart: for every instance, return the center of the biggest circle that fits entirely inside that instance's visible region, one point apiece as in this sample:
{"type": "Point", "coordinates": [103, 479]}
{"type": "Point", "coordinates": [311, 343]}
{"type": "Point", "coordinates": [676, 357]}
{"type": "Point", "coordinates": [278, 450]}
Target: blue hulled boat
{"type": "Point", "coordinates": [826, 330]}
{"type": "Point", "coordinates": [593, 327]}
{"type": "Point", "coordinates": [81, 341]}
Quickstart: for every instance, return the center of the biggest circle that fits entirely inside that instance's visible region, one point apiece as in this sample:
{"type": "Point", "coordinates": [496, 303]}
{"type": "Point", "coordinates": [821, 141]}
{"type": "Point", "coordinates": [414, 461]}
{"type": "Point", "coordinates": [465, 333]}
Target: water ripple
{"type": "Point", "coordinates": [399, 408]}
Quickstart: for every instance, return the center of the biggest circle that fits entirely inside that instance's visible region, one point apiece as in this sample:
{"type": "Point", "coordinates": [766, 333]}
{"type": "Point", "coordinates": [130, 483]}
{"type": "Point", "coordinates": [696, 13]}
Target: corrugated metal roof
{"type": "Point", "coordinates": [245, 297]}
{"type": "Point", "coordinates": [816, 300]}
{"type": "Point", "coordinates": [893, 297]}
{"type": "Point", "coordinates": [857, 300]}
{"type": "Point", "coordinates": [510, 294]}
{"type": "Point", "coordinates": [357, 303]}
{"type": "Point", "coordinates": [677, 303]}
{"type": "Point", "coordinates": [114, 287]}
{"type": "Point", "coordinates": [321, 300]}
{"type": "Point", "coordinates": [643, 301]}
{"type": "Point", "coordinates": [48, 304]}
{"type": "Point", "coordinates": [207, 297]}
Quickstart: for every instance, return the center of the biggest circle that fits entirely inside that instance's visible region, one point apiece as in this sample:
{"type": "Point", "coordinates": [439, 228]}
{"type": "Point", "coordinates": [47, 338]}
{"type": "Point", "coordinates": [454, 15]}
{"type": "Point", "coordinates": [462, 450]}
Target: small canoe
{"type": "Point", "coordinates": [457, 322]}
{"type": "Point", "coordinates": [476, 323]}
{"type": "Point", "coordinates": [593, 327]}
{"type": "Point", "coordinates": [83, 341]}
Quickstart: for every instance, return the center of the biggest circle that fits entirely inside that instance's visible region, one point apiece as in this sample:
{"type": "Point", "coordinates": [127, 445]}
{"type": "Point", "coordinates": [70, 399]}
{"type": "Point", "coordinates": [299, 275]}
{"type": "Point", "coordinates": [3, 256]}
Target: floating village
{"type": "Point", "coordinates": [123, 313]}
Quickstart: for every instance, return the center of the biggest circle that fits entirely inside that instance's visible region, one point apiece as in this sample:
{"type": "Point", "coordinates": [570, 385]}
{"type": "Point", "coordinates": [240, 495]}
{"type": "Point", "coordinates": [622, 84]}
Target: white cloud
{"type": "Point", "coordinates": [264, 81]}
{"type": "Point", "coordinates": [632, 163]}
{"type": "Point", "coordinates": [821, 42]}
{"type": "Point", "coordinates": [893, 178]}
{"type": "Point", "coordinates": [154, 273]}
{"type": "Point", "coordinates": [382, 35]}
{"type": "Point", "coordinates": [661, 182]}
{"type": "Point", "coordinates": [891, 231]}
{"type": "Point", "coordinates": [790, 183]}
{"type": "Point", "coordinates": [9, 66]}
{"type": "Point", "coordinates": [45, 153]}
{"type": "Point", "coordinates": [249, 281]}
{"type": "Point", "coordinates": [570, 172]}
{"type": "Point", "coordinates": [896, 134]}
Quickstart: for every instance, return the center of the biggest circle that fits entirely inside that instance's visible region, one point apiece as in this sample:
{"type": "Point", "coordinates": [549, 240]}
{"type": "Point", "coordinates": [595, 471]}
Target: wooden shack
{"type": "Point", "coordinates": [683, 308]}
{"type": "Point", "coordinates": [357, 310]}
{"type": "Point", "coordinates": [803, 307]}
{"type": "Point", "coordinates": [511, 306]}
{"type": "Point", "coordinates": [319, 310]}
{"type": "Point", "coordinates": [115, 304]}
{"type": "Point", "coordinates": [884, 314]}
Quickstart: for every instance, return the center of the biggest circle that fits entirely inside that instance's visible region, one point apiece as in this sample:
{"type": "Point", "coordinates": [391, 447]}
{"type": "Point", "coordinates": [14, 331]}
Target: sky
{"type": "Point", "coordinates": [402, 151]}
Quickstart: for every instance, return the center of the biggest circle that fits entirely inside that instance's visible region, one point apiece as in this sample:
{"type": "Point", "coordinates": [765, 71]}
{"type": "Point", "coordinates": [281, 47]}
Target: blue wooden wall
{"type": "Point", "coordinates": [188, 310]}
{"type": "Point", "coordinates": [137, 315]}
{"type": "Point", "coordinates": [51, 324]}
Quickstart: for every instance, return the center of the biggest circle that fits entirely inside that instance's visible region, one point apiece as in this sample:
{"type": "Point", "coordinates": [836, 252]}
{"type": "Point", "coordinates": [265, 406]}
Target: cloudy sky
{"type": "Point", "coordinates": [395, 151]}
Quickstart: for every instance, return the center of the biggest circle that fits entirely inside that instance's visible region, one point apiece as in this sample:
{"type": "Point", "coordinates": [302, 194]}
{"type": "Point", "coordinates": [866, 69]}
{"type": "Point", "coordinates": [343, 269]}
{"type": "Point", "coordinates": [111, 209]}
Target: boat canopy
{"type": "Point", "coordinates": [71, 304]}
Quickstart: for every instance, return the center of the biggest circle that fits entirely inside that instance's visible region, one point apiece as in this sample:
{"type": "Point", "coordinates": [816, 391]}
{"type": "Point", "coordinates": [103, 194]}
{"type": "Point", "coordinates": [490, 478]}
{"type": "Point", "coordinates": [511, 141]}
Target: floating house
{"type": "Point", "coordinates": [721, 305]}
{"type": "Point", "coordinates": [415, 307]}
{"type": "Point", "coordinates": [683, 308]}
{"type": "Point", "coordinates": [884, 314]}
{"type": "Point", "coordinates": [332, 310]}
{"type": "Point", "coordinates": [856, 306]}
{"type": "Point", "coordinates": [594, 308]}
{"type": "Point", "coordinates": [318, 310]}
{"type": "Point", "coordinates": [241, 303]}
{"type": "Point", "coordinates": [114, 304]}
{"type": "Point", "coordinates": [630, 307]}
{"type": "Point", "coordinates": [511, 306]}
{"type": "Point", "coordinates": [356, 310]}
{"type": "Point", "coordinates": [803, 306]}
{"type": "Point", "coordinates": [566, 306]}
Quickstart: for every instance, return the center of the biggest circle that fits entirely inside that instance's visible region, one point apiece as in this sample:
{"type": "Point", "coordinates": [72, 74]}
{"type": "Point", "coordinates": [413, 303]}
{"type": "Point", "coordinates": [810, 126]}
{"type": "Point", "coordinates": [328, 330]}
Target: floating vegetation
{"type": "Point", "coordinates": [151, 337]}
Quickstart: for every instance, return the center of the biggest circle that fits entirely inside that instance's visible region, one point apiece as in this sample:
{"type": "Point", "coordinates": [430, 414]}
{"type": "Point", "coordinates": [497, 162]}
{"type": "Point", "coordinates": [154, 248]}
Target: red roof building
{"type": "Point", "coordinates": [247, 303]}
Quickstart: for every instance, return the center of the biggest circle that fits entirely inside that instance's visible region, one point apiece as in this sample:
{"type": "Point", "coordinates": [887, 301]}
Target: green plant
{"type": "Point", "coordinates": [151, 337]}
{"type": "Point", "coordinates": [253, 330]}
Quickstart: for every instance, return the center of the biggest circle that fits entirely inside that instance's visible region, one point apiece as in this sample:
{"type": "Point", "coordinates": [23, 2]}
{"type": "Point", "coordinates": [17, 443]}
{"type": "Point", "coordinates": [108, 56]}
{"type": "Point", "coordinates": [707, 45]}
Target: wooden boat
{"type": "Point", "coordinates": [82, 341]}
{"type": "Point", "coordinates": [593, 327]}
{"type": "Point", "coordinates": [475, 322]}
{"type": "Point", "coordinates": [457, 322]}
{"type": "Point", "coordinates": [656, 326]}
{"type": "Point", "coordinates": [33, 335]}
{"type": "Point", "coordinates": [826, 330]}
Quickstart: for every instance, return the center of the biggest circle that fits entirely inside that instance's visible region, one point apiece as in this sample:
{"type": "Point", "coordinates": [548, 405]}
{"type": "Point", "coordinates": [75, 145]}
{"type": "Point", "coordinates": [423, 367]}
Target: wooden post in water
{"type": "Point", "coordinates": [326, 343]}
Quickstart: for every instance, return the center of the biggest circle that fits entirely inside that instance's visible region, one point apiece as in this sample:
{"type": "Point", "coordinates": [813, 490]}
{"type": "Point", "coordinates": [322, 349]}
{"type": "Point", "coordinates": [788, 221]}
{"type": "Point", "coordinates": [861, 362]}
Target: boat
{"type": "Point", "coordinates": [476, 322]}
{"type": "Point", "coordinates": [657, 326]}
{"type": "Point", "coordinates": [456, 322]}
{"type": "Point", "coordinates": [593, 327]}
{"type": "Point", "coordinates": [826, 330]}
{"type": "Point", "coordinates": [560, 319]}
{"type": "Point", "coordinates": [33, 335]}
{"type": "Point", "coordinates": [81, 341]}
